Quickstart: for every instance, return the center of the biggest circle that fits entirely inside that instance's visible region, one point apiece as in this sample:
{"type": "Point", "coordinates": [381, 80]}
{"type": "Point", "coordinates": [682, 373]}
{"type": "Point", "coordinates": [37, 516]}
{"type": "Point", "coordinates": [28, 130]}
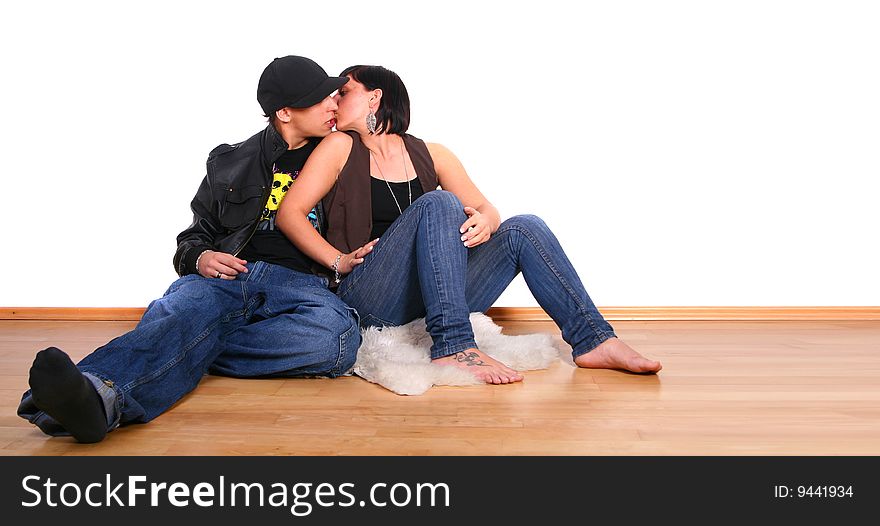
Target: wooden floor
{"type": "Point", "coordinates": [727, 388]}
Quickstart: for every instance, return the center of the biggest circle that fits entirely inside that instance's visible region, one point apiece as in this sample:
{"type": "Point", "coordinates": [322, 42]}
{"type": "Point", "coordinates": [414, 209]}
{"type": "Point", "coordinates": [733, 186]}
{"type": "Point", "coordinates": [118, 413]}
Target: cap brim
{"type": "Point", "coordinates": [320, 93]}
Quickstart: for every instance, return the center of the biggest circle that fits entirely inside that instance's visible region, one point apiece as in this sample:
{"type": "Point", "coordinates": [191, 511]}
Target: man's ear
{"type": "Point", "coordinates": [284, 115]}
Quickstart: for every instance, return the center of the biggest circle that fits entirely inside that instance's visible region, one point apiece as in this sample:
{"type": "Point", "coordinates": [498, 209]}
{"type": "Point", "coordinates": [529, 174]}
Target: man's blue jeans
{"type": "Point", "coordinates": [269, 322]}
{"type": "Point", "coordinates": [420, 267]}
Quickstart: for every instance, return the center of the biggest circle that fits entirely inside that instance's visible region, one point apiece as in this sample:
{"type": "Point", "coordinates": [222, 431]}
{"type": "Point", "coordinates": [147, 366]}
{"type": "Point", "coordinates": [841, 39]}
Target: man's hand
{"type": "Point", "coordinates": [220, 265]}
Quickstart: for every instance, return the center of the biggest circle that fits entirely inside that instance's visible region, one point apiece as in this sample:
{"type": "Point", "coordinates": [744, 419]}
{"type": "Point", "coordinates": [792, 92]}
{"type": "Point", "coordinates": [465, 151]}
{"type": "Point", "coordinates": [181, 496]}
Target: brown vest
{"type": "Point", "coordinates": [348, 206]}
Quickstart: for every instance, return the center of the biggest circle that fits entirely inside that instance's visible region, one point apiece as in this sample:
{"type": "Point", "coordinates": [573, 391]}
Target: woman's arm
{"type": "Point", "coordinates": [314, 181]}
{"type": "Point", "coordinates": [484, 218]}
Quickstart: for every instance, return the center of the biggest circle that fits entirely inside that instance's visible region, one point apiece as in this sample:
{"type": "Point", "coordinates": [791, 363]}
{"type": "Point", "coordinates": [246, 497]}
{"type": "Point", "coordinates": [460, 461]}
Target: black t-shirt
{"type": "Point", "coordinates": [385, 209]}
{"type": "Point", "coordinates": [268, 243]}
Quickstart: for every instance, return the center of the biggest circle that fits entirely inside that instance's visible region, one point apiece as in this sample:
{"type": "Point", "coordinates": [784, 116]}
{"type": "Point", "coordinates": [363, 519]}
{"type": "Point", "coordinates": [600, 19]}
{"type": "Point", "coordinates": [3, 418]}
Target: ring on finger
{"type": "Point", "coordinates": [218, 274]}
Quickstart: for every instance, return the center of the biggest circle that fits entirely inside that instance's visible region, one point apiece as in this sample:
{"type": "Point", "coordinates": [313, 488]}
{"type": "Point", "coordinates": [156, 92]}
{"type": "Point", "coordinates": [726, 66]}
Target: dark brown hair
{"type": "Point", "coordinates": [393, 114]}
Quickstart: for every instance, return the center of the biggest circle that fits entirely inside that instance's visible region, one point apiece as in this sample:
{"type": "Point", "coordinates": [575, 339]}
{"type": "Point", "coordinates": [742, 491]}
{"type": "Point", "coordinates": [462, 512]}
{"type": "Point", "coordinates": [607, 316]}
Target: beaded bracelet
{"type": "Point", "coordinates": [199, 259]}
{"type": "Point", "coordinates": [335, 268]}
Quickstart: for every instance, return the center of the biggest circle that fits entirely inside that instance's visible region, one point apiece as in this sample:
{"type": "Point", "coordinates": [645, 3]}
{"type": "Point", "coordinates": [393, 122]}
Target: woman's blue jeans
{"type": "Point", "coordinates": [420, 267]}
{"type": "Point", "coordinates": [269, 322]}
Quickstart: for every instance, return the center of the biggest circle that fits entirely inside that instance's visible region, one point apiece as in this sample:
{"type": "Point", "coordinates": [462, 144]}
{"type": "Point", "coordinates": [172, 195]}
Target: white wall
{"type": "Point", "coordinates": [685, 152]}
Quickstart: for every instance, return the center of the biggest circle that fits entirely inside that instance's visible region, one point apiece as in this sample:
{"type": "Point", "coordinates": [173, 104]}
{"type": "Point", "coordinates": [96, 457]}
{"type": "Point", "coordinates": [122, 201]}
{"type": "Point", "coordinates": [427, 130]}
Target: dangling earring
{"type": "Point", "coordinates": [371, 122]}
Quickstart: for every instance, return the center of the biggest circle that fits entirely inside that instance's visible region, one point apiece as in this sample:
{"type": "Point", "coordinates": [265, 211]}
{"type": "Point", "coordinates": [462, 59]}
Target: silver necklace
{"type": "Point", "coordinates": [405, 173]}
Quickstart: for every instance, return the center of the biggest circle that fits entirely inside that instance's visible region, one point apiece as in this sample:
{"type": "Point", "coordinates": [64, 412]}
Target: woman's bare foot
{"type": "Point", "coordinates": [482, 366]}
{"type": "Point", "coordinates": [614, 354]}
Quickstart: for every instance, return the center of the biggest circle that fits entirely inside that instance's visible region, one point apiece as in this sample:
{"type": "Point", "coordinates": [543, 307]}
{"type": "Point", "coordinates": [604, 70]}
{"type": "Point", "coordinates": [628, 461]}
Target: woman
{"type": "Point", "coordinates": [435, 253]}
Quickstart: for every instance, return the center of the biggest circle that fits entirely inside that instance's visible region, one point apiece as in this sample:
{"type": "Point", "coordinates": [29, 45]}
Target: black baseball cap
{"type": "Point", "coordinates": [297, 82]}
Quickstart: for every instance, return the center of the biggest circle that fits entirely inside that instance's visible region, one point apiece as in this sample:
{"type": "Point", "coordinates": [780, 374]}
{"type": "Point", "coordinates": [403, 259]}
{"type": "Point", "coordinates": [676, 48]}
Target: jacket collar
{"type": "Point", "coordinates": [274, 145]}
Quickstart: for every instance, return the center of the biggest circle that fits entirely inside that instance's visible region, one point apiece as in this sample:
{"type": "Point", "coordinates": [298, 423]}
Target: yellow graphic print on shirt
{"type": "Point", "coordinates": [281, 183]}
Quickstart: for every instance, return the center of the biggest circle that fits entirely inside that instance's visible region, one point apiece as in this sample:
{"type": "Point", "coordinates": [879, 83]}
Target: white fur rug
{"type": "Point", "coordinates": [399, 359]}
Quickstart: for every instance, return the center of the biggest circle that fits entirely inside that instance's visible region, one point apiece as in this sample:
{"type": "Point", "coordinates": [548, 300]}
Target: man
{"type": "Point", "coordinates": [246, 304]}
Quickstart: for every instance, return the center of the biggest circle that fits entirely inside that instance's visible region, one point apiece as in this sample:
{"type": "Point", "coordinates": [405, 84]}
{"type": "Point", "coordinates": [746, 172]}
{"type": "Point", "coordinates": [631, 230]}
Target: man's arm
{"type": "Point", "coordinates": [199, 240]}
{"type": "Point", "coordinates": [200, 235]}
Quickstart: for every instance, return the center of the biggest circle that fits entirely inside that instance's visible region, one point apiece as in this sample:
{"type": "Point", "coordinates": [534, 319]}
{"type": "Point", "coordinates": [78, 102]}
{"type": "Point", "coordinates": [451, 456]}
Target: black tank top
{"type": "Point", "coordinates": [385, 210]}
{"type": "Point", "coordinates": [348, 208]}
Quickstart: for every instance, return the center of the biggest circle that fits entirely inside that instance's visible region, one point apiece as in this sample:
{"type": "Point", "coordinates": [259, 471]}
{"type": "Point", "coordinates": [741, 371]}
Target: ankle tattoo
{"type": "Point", "coordinates": [470, 359]}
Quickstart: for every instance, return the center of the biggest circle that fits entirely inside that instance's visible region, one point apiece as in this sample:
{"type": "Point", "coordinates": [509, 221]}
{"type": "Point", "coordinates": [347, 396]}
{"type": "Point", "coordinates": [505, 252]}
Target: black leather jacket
{"type": "Point", "coordinates": [231, 198]}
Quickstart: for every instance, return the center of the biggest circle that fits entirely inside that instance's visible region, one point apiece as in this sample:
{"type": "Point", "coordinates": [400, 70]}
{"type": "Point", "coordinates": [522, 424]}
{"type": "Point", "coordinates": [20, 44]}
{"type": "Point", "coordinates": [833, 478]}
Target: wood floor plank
{"type": "Point", "coordinates": [727, 388]}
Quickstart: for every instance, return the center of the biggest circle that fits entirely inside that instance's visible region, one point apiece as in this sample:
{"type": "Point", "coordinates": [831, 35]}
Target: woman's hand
{"type": "Point", "coordinates": [349, 261]}
{"type": "Point", "coordinates": [477, 229]}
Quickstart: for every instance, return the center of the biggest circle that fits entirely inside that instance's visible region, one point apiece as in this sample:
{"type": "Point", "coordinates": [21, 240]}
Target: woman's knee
{"type": "Point", "coordinates": [527, 223]}
{"type": "Point", "coordinates": [441, 199]}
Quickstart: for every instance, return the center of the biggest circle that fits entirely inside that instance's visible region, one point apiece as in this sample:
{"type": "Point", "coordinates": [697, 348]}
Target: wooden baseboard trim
{"type": "Point", "coordinates": [71, 313]}
{"type": "Point", "coordinates": [522, 313]}
{"type": "Point", "coordinates": [703, 313]}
